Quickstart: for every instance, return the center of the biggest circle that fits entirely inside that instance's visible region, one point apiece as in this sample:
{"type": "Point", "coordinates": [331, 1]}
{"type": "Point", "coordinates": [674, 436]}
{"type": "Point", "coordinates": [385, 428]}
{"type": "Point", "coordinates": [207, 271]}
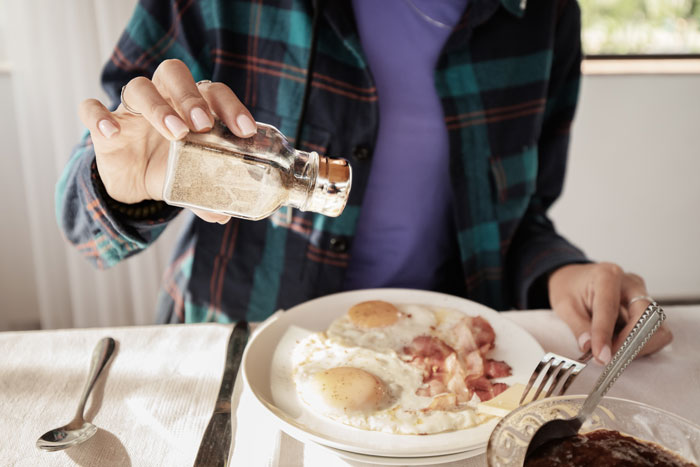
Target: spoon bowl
{"type": "Point", "coordinates": [66, 436]}
{"type": "Point", "coordinates": [78, 430]}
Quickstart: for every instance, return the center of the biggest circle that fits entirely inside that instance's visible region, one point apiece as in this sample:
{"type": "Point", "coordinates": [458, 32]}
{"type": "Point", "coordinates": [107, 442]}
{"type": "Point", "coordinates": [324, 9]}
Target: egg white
{"type": "Point", "coordinates": [415, 320]}
{"type": "Point", "coordinates": [402, 412]}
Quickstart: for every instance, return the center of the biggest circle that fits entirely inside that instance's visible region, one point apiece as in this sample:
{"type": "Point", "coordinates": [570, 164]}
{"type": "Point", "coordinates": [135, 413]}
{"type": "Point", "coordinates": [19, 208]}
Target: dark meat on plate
{"type": "Point", "coordinates": [454, 374]}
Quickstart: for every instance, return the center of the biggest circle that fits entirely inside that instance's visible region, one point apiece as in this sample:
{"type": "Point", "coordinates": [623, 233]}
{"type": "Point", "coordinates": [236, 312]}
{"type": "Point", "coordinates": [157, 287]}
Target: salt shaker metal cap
{"type": "Point", "coordinates": [332, 188]}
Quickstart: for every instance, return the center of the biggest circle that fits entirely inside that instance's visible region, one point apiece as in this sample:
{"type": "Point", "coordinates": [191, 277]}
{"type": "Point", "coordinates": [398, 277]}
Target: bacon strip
{"type": "Point", "coordinates": [496, 369]}
{"type": "Point", "coordinates": [485, 389]}
{"type": "Point", "coordinates": [453, 375]}
{"type": "Point", "coordinates": [442, 370]}
{"type": "Point", "coordinates": [473, 333]}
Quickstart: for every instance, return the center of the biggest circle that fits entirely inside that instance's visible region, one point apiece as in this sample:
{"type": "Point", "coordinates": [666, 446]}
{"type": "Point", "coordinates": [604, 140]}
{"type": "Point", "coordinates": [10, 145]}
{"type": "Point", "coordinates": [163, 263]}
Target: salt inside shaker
{"type": "Point", "coordinates": [252, 177]}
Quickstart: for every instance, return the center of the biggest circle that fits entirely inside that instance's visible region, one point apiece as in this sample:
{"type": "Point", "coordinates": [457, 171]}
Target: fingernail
{"type": "Point", "coordinates": [604, 355]}
{"type": "Point", "coordinates": [246, 125]}
{"type": "Point", "coordinates": [176, 126]}
{"type": "Point", "coordinates": [200, 119]}
{"type": "Point", "coordinates": [107, 128]}
{"type": "Point", "coordinates": [584, 340]}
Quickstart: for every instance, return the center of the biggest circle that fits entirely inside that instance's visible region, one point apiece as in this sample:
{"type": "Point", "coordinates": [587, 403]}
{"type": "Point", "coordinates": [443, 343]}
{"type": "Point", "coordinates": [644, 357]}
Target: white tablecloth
{"type": "Point", "coordinates": [151, 404]}
{"type": "Point", "coordinates": [155, 398]}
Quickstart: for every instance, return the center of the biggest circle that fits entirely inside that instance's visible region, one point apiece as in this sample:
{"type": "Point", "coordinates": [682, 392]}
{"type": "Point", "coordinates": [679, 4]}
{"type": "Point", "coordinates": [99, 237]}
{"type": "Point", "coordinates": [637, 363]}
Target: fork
{"type": "Point", "coordinates": [558, 428]}
{"type": "Point", "coordinates": [557, 367]}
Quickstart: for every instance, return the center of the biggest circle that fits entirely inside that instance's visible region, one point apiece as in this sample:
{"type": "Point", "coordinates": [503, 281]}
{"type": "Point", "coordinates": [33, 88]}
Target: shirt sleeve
{"type": "Point", "coordinates": [537, 248]}
{"type": "Point", "coordinates": [102, 229]}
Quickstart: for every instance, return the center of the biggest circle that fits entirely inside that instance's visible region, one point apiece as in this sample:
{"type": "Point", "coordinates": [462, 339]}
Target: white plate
{"type": "Point", "coordinates": [267, 371]}
{"type": "Point", "coordinates": [405, 461]}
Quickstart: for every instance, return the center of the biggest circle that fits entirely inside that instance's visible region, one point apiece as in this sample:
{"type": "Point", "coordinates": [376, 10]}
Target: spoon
{"type": "Point", "coordinates": [647, 325]}
{"type": "Point", "coordinates": [78, 430]}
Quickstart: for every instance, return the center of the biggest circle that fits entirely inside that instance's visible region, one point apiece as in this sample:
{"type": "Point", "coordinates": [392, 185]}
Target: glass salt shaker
{"type": "Point", "coordinates": [252, 177]}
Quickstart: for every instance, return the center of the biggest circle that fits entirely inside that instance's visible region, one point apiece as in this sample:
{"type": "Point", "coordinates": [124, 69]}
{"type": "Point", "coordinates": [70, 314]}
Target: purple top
{"type": "Point", "coordinates": [404, 234]}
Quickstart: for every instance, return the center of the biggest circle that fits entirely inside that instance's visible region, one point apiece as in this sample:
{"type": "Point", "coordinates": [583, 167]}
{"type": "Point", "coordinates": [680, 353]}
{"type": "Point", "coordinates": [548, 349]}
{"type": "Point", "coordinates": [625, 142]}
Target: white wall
{"type": "Point", "coordinates": [18, 305]}
{"type": "Point", "coordinates": [632, 193]}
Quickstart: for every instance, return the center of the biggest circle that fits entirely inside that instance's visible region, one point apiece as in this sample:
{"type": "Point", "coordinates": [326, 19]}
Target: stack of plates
{"type": "Point", "coordinates": [268, 373]}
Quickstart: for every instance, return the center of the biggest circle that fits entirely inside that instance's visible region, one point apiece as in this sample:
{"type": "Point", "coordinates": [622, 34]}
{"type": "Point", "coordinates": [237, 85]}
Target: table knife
{"type": "Point", "coordinates": [216, 442]}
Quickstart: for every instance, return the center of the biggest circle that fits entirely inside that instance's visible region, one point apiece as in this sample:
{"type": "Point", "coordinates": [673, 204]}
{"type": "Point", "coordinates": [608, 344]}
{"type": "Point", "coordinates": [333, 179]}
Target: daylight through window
{"type": "Point", "coordinates": [641, 27]}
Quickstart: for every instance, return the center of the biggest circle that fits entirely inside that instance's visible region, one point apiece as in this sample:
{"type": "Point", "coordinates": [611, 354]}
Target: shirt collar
{"type": "Point", "coordinates": [341, 17]}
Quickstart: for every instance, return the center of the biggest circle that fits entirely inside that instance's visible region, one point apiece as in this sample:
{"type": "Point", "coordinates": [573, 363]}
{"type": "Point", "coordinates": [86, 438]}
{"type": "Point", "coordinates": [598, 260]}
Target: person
{"type": "Point", "coordinates": [454, 114]}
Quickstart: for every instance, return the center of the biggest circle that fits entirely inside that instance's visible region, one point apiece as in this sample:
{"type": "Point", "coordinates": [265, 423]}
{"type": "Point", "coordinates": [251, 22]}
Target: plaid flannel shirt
{"type": "Point", "coordinates": [508, 81]}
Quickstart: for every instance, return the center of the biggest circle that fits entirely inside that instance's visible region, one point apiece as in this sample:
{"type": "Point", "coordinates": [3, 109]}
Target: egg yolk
{"type": "Point", "coordinates": [350, 389]}
{"type": "Point", "coordinates": [374, 314]}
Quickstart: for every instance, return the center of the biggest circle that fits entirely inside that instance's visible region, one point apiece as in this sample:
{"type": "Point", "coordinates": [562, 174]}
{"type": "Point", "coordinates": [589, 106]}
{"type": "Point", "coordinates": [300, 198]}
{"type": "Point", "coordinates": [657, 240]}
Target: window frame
{"type": "Point", "coordinates": [641, 64]}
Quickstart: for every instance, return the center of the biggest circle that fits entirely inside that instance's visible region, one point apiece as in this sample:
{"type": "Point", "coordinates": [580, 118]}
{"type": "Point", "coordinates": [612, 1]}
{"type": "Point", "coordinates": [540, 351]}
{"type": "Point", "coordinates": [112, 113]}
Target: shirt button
{"type": "Point", "coordinates": [361, 152]}
{"type": "Point", "coordinates": [339, 244]}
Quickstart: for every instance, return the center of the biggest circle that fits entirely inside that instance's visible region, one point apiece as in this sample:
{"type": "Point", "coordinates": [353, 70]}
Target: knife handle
{"type": "Point", "coordinates": [216, 441]}
{"type": "Point", "coordinates": [234, 354]}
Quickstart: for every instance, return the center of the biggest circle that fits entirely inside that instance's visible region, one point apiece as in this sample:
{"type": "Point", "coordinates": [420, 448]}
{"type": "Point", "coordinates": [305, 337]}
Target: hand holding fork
{"type": "Point", "coordinates": [560, 368]}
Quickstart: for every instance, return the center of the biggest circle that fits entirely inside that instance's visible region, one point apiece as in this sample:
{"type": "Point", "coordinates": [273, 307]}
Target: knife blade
{"type": "Point", "coordinates": [216, 441]}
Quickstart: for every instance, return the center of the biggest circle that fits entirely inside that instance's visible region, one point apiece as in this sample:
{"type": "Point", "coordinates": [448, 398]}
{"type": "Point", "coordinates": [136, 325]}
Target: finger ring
{"type": "Point", "coordinates": [641, 297]}
{"type": "Point", "coordinates": [204, 81]}
{"type": "Point", "coordinates": [126, 106]}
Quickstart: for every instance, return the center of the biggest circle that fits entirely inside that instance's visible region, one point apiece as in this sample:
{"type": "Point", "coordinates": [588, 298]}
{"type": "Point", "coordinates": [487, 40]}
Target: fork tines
{"type": "Point", "coordinates": [558, 368]}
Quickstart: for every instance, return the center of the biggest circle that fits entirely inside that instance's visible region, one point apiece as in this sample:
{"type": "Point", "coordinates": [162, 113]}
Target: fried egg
{"type": "Point", "coordinates": [368, 389]}
{"type": "Point", "coordinates": [382, 326]}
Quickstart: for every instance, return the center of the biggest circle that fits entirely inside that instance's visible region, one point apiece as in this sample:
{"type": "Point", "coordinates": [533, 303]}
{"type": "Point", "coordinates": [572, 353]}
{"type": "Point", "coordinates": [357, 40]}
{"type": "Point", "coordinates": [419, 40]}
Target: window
{"type": "Point", "coordinates": [641, 27]}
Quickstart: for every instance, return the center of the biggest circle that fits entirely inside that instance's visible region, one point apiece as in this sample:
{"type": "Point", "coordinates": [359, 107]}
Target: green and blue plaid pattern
{"type": "Point", "coordinates": [508, 80]}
